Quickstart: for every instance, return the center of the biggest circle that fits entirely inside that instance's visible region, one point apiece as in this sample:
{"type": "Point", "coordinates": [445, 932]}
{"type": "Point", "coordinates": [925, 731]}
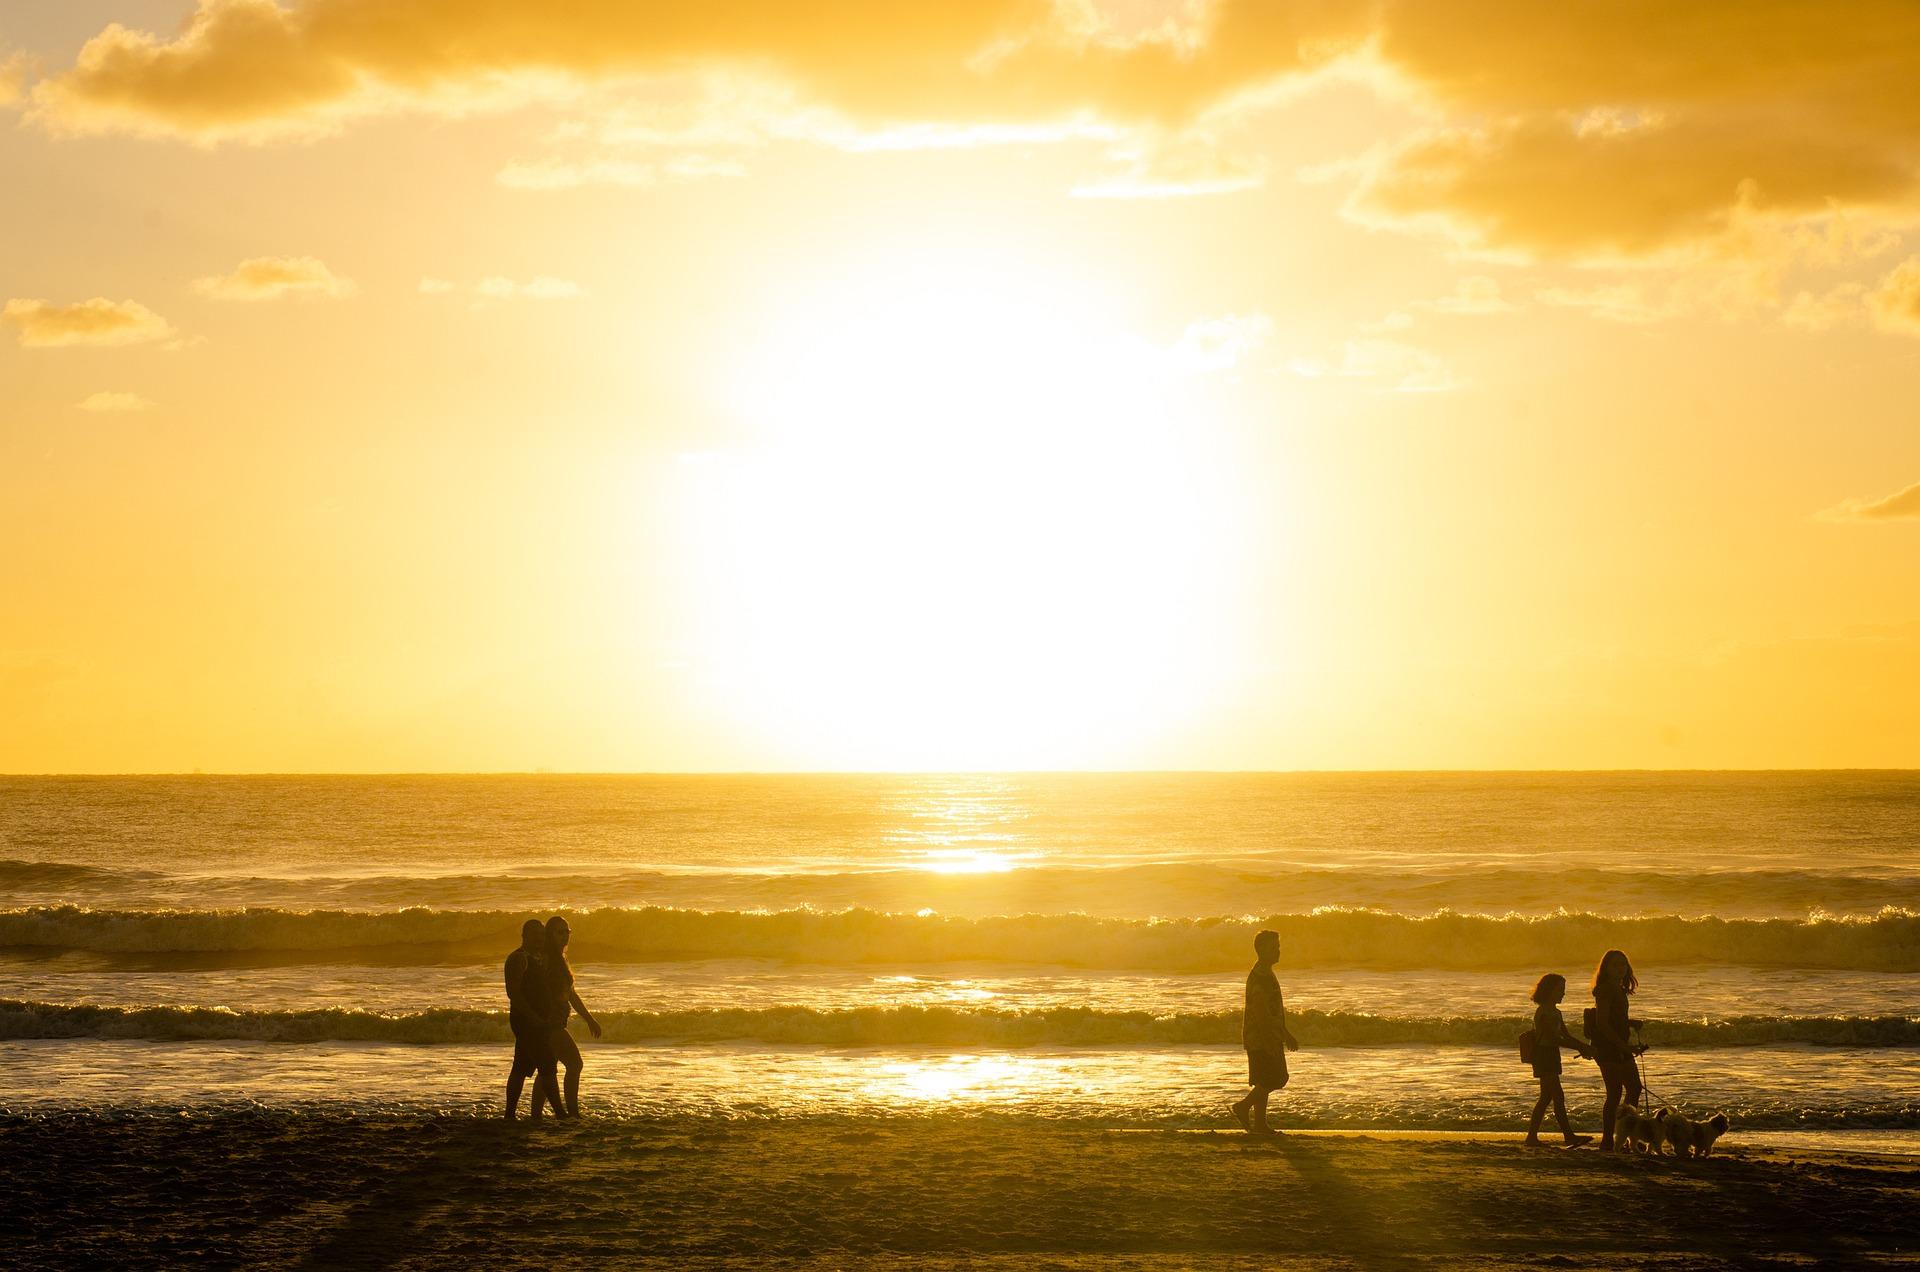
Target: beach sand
{"type": "Point", "coordinates": [331, 1190]}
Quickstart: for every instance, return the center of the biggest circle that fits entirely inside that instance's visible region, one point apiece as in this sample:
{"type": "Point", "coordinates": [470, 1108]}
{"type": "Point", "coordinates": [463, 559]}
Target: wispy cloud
{"type": "Point", "coordinates": [114, 403]}
{"type": "Point", "coordinates": [1902, 505]}
{"type": "Point", "coordinates": [42, 325]}
{"type": "Point", "coordinates": [610, 170]}
{"type": "Point", "coordinates": [497, 287]}
{"type": "Point", "coordinates": [1386, 364]}
{"type": "Point", "coordinates": [276, 278]}
{"type": "Point", "coordinates": [1611, 302]}
{"type": "Point", "coordinates": [1474, 296]}
{"type": "Point", "coordinates": [1219, 344]}
{"type": "Point", "coordinates": [1896, 302]}
{"type": "Point", "coordinates": [541, 288]}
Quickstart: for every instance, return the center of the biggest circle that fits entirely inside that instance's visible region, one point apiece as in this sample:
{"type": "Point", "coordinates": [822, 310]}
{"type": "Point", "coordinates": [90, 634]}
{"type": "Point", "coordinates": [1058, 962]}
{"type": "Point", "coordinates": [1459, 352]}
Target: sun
{"type": "Point", "coordinates": [972, 522]}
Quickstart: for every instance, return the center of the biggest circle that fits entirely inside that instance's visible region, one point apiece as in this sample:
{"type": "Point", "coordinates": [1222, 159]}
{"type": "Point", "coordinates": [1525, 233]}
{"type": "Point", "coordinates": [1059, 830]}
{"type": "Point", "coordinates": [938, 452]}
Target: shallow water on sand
{"type": "Point", "coordinates": [1775, 1088]}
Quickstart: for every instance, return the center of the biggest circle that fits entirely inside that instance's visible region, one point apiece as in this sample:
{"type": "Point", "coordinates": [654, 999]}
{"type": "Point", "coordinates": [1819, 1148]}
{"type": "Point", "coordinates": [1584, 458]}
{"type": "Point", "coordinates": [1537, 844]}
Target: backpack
{"type": "Point", "coordinates": [1527, 1043]}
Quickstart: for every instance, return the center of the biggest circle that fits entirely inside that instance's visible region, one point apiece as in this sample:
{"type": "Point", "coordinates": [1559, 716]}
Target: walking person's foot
{"type": "Point", "coordinates": [1532, 1141]}
{"type": "Point", "coordinates": [1240, 1116]}
{"type": "Point", "coordinates": [1575, 1141]}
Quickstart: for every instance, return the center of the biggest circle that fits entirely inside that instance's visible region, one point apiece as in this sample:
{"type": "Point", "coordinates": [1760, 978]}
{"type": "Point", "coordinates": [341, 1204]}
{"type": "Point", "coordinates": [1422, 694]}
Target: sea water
{"type": "Point", "coordinates": [1065, 946]}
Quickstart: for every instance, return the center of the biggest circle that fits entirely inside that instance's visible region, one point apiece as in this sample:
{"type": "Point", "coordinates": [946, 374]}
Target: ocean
{"type": "Point", "coordinates": [1058, 946]}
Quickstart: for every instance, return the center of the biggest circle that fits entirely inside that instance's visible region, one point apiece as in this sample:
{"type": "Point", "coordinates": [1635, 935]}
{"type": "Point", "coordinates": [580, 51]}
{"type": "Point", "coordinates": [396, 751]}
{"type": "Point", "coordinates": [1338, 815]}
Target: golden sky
{"type": "Point", "coordinates": [755, 384]}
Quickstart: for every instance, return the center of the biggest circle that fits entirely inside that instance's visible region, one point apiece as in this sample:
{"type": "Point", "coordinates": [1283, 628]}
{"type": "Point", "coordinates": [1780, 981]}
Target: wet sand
{"type": "Point", "coordinates": [325, 1189]}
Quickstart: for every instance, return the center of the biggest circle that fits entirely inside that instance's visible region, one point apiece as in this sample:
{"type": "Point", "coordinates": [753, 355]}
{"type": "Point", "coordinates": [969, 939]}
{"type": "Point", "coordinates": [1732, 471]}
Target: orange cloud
{"type": "Point", "coordinates": [251, 68]}
{"type": "Point", "coordinates": [99, 321]}
{"type": "Point", "coordinates": [1896, 303]}
{"type": "Point", "coordinates": [1902, 505]}
{"type": "Point", "coordinates": [114, 403]}
{"type": "Point", "coordinates": [1546, 187]}
{"type": "Point", "coordinates": [1579, 129]}
{"type": "Point", "coordinates": [274, 278]}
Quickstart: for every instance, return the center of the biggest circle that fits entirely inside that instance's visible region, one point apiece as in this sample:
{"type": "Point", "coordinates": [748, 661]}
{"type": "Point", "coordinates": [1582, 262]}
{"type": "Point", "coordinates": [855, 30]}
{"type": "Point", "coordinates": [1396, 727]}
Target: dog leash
{"type": "Point", "coordinates": [1640, 1069]}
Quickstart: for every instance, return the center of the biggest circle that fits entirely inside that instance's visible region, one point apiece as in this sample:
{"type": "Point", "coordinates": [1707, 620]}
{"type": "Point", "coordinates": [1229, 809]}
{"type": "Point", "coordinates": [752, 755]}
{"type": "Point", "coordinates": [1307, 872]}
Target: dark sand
{"type": "Point", "coordinates": [327, 1190]}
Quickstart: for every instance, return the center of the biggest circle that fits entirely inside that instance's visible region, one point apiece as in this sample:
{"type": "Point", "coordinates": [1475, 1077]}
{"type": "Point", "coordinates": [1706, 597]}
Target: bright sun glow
{"type": "Point", "coordinates": [974, 523]}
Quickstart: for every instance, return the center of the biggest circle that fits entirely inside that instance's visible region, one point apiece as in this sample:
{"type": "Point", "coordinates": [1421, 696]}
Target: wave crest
{"type": "Point", "coordinates": [1888, 941]}
{"type": "Point", "coordinates": [938, 1026]}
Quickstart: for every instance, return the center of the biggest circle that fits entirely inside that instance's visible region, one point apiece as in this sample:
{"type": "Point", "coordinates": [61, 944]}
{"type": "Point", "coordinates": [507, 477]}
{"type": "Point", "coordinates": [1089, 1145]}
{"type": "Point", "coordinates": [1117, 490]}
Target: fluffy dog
{"type": "Point", "coordinates": [1692, 1138]}
{"type": "Point", "coordinates": [1641, 1132]}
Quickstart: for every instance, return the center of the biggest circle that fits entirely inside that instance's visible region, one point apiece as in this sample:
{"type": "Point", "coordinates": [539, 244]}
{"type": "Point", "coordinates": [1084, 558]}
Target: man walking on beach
{"type": "Point", "coordinates": [1263, 1031]}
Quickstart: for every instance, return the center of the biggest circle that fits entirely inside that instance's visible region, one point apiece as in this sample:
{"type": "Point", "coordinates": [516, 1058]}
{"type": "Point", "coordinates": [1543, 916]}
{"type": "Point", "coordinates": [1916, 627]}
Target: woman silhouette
{"type": "Point", "coordinates": [560, 974]}
{"type": "Point", "coordinates": [1609, 1026]}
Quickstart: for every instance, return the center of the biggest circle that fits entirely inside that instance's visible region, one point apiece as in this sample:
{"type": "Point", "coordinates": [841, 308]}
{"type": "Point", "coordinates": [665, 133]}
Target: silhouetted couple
{"type": "Point", "coordinates": [540, 996]}
{"type": "Point", "coordinates": [1263, 1031]}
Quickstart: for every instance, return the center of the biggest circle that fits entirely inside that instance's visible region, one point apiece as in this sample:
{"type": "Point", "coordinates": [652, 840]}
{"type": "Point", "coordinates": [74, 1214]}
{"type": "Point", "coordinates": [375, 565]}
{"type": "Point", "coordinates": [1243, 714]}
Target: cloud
{"type": "Point", "coordinates": [541, 288]}
{"type": "Point", "coordinates": [114, 403]}
{"type": "Point", "coordinates": [1638, 129]}
{"type": "Point", "coordinates": [1612, 302]}
{"type": "Point", "coordinates": [1896, 303]}
{"type": "Point", "coordinates": [498, 288]}
{"type": "Point", "coordinates": [1474, 296]}
{"type": "Point", "coordinates": [610, 170]}
{"type": "Point", "coordinates": [1903, 505]}
{"type": "Point", "coordinates": [1173, 168]}
{"type": "Point", "coordinates": [1398, 367]}
{"type": "Point", "coordinates": [253, 69]}
{"type": "Point", "coordinates": [1546, 188]}
{"type": "Point", "coordinates": [1220, 344]}
{"type": "Point", "coordinates": [99, 321]}
{"type": "Point", "coordinates": [275, 278]}
{"type": "Point", "coordinates": [13, 77]}
{"type": "Point", "coordinates": [1840, 304]}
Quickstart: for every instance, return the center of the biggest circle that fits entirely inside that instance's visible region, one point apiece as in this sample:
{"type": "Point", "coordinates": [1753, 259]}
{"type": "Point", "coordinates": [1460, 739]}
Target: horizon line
{"type": "Point", "coordinates": [1159, 772]}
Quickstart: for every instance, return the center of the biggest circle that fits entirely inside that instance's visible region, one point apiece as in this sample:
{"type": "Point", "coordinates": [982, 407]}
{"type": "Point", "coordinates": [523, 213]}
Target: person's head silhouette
{"type": "Point", "coordinates": [1267, 946]}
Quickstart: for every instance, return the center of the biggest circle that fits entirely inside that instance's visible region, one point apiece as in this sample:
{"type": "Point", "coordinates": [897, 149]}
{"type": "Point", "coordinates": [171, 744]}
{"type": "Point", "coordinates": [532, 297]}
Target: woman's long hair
{"type": "Point", "coordinates": [557, 934]}
{"type": "Point", "coordinates": [1628, 981]}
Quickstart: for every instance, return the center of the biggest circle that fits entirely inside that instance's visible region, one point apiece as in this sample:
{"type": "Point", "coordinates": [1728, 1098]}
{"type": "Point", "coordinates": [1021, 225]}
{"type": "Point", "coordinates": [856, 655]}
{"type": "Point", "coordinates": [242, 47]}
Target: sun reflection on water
{"type": "Point", "coordinates": [952, 1078]}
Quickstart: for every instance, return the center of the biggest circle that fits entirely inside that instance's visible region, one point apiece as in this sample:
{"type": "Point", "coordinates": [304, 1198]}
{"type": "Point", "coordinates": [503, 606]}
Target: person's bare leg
{"type": "Point", "coordinates": [546, 1091]}
{"type": "Point", "coordinates": [568, 1053]}
{"type": "Point", "coordinates": [1260, 1126]}
{"type": "Point", "coordinates": [516, 1078]}
{"type": "Point", "coordinates": [1566, 1126]}
{"type": "Point", "coordinates": [1240, 1110]}
{"type": "Point", "coordinates": [1539, 1112]}
{"type": "Point", "coordinates": [1610, 1113]}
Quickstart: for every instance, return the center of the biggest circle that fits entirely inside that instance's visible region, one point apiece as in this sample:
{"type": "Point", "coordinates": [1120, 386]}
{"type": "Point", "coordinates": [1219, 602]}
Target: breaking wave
{"type": "Point", "coordinates": [1169, 889]}
{"type": "Point", "coordinates": [1887, 941]}
{"type": "Point", "coordinates": [938, 1026]}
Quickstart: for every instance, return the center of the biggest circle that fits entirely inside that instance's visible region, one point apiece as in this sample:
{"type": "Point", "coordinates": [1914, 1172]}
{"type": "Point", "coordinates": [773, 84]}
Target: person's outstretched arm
{"type": "Point", "coordinates": [573, 996]}
{"type": "Point", "coordinates": [1578, 1044]}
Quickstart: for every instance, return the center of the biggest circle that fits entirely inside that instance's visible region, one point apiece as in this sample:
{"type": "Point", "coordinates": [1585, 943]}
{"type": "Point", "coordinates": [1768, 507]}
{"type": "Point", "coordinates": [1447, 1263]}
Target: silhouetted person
{"type": "Point", "coordinates": [1263, 1031]}
{"type": "Point", "coordinates": [530, 1013]}
{"type": "Point", "coordinates": [562, 995]}
{"type": "Point", "coordinates": [1613, 980]}
{"type": "Point", "coordinates": [1549, 1034]}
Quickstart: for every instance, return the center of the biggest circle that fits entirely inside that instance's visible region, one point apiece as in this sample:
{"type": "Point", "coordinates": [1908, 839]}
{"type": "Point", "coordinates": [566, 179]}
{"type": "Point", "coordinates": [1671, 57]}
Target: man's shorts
{"type": "Point", "coordinates": [532, 1048]}
{"type": "Point", "coordinates": [1267, 1069]}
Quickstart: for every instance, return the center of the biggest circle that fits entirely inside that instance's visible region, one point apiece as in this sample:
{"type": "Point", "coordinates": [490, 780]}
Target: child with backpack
{"type": "Point", "coordinates": [1541, 1047]}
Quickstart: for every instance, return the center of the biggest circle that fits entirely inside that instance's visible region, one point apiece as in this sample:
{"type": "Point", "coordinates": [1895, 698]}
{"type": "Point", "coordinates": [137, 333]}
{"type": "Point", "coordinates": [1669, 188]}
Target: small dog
{"type": "Point", "coordinates": [1692, 1138]}
{"type": "Point", "coordinates": [1638, 1131]}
